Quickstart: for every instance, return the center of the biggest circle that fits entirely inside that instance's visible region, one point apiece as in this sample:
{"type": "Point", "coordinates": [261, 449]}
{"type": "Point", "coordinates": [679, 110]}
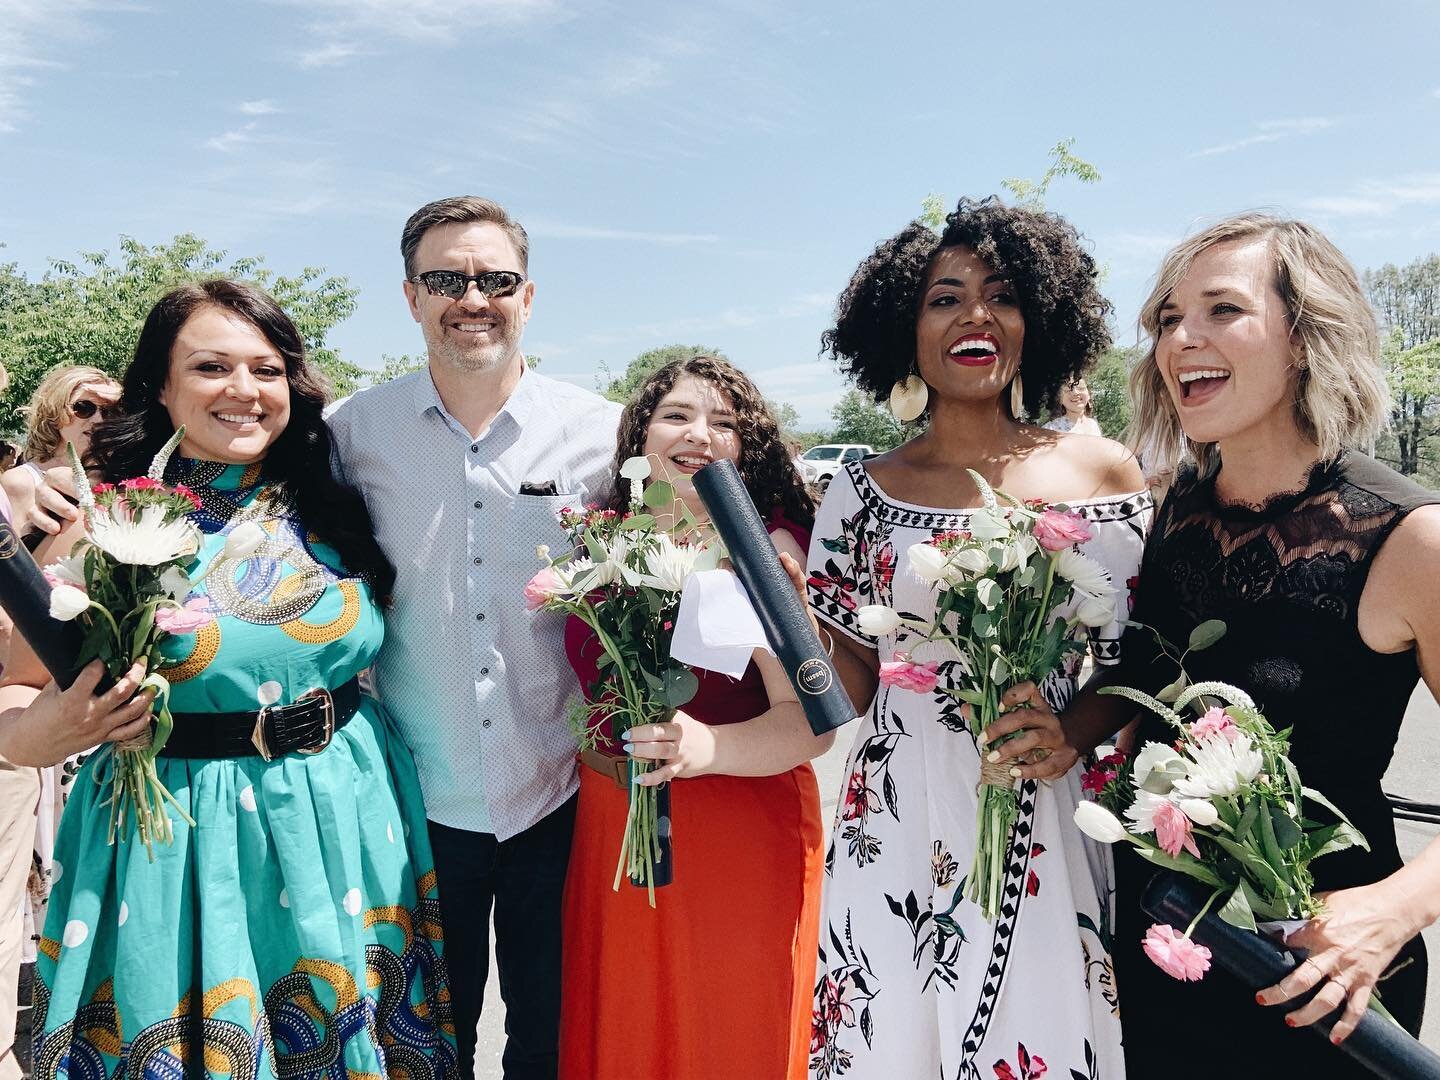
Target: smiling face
{"type": "Point", "coordinates": [227, 385]}
{"type": "Point", "coordinates": [693, 425]}
{"type": "Point", "coordinates": [1075, 398]}
{"type": "Point", "coordinates": [473, 333]}
{"type": "Point", "coordinates": [970, 332]}
{"type": "Point", "coordinates": [1225, 348]}
{"type": "Point", "coordinates": [89, 398]}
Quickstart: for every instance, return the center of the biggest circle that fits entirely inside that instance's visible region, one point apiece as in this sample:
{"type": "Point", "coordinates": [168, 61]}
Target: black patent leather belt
{"type": "Point", "coordinates": [305, 726]}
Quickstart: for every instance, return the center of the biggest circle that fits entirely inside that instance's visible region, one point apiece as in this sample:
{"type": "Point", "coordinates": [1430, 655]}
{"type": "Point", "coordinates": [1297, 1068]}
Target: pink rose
{"type": "Point", "coordinates": [1172, 830]}
{"type": "Point", "coordinates": [541, 588]}
{"type": "Point", "coordinates": [1215, 722]}
{"type": "Point", "coordinates": [1176, 955]}
{"type": "Point", "coordinates": [910, 676]}
{"type": "Point", "coordinates": [1056, 530]}
{"type": "Point", "coordinates": [186, 620]}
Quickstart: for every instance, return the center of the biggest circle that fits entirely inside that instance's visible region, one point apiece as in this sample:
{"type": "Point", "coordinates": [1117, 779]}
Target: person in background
{"type": "Point", "coordinates": [65, 408]}
{"type": "Point", "coordinates": [1073, 411]}
{"type": "Point", "coordinates": [478, 685]}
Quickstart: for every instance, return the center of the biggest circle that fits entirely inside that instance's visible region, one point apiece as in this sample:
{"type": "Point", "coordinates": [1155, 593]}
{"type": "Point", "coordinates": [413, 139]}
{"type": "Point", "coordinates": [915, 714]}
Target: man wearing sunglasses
{"type": "Point", "coordinates": [464, 466]}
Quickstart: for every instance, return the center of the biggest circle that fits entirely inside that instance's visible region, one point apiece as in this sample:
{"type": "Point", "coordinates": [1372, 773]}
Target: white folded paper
{"type": "Point", "coordinates": [716, 627]}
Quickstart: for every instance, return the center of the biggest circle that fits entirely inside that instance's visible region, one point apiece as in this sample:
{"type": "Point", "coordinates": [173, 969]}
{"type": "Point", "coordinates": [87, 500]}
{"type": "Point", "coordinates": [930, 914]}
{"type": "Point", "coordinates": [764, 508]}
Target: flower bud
{"type": "Point", "coordinates": [67, 602]}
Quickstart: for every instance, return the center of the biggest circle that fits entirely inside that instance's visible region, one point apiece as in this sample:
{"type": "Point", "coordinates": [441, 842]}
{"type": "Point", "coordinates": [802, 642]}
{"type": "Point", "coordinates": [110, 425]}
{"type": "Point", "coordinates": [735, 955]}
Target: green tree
{"type": "Point", "coordinates": [643, 366]}
{"type": "Point", "coordinates": [1027, 193]}
{"type": "Point", "coordinates": [90, 311]}
{"type": "Point", "coordinates": [859, 420]}
{"type": "Point", "coordinates": [1109, 384]}
{"type": "Point", "coordinates": [392, 367]}
{"type": "Point", "coordinates": [1407, 300]}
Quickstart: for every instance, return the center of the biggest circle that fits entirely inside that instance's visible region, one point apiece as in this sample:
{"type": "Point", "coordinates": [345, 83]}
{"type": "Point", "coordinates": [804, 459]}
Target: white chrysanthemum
{"type": "Point", "coordinates": [970, 561]}
{"type": "Point", "coordinates": [1096, 611]}
{"type": "Point", "coordinates": [175, 582]}
{"type": "Point", "coordinates": [70, 570]}
{"type": "Point", "coordinates": [1087, 574]}
{"type": "Point", "coordinates": [668, 564]}
{"type": "Point", "coordinates": [1141, 813]}
{"type": "Point", "coordinates": [1017, 551]}
{"type": "Point", "coordinates": [1220, 767]}
{"type": "Point", "coordinates": [146, 540]}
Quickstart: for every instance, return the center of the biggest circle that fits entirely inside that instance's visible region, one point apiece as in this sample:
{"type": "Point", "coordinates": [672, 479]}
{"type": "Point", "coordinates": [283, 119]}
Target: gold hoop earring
{"type": "Point", "coordinates": [1017, 398]}
{"type": "Point", "coordinates": [908, 398]}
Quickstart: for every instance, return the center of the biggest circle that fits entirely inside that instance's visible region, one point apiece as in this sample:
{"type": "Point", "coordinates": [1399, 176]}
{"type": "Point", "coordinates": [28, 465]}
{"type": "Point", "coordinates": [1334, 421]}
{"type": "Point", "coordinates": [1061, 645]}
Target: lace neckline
{"type": "Point", "coordinates": [1321, 476]}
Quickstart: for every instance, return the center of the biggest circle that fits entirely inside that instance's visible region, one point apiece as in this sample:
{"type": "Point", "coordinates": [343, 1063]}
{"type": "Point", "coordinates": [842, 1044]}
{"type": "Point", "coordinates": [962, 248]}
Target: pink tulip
{"type": "Point", "coordinates": [910, 676]}
{"type": "Point", "coordinates": [1056, 530]}
{"type": "Point", "coordinates": [195, 614]}
{"type": "Point", "coordinates": [540, 588]}
{"type": "Point", "coordinates": [1172, 830]}
{"type": "Point", "coordinates": [1215, 722]}
{"type": "Point", "coordinates": [1176, 955]}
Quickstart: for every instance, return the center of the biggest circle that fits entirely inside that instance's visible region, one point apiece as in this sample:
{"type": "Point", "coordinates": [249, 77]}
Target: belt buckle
{"type": "Point", "coordinates": [327, 713]}
{"type": "Point", "coordinates": [621, 769]}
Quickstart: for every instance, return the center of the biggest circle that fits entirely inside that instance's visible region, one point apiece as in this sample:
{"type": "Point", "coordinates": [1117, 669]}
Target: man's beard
{"type": "Point", "coordinates": [475, 359]}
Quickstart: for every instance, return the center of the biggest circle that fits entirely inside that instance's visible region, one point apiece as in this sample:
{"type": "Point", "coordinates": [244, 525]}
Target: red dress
{"type": "Point", "coordinates": [716, 980]}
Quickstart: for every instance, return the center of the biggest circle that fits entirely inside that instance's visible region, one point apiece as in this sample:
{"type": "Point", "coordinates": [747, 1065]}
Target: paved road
{"type": "Point", "coordinates": [1415, 773]}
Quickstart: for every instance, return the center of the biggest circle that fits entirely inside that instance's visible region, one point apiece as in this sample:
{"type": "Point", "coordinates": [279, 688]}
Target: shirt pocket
{"type": "Point", "coordinates": [537, 517]}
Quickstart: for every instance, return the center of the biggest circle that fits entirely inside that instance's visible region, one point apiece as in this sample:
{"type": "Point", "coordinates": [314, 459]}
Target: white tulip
{"type": "Point", "coordinates": [67, 602]}
{"type": "Point", "coordinates": [928, 562]}
{"type": "Point", "coordinates": [1201, 811]}
{"type": "Point", "coordinates": [877, 620]}
{"type": "Point", "coordinates": [244, 540]}
{"type": "Point", "coordinates": [971, 561]}
{"type": "Point", "coordinates": [1098, 823]}
{"type": "Point", "coordinates": [989, 525]}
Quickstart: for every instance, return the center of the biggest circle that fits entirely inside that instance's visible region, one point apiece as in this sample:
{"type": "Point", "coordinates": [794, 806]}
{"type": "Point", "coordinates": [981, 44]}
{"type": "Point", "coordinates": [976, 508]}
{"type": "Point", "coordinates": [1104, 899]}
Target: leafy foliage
{"type": "Point", "coordinates": [1110, 390]}
{"type": "Point", "coordinates": [860, 420]}
{"type": "Point", "coordinates": [90, 311]}
{"type": "Point", "coordinates": [1407, 300]}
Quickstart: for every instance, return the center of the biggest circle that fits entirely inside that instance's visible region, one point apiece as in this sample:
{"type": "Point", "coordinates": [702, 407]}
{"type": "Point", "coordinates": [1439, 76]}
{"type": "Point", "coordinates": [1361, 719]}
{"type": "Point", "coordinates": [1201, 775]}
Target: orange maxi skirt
{"type": "Point", "coordinates": [716, 980]}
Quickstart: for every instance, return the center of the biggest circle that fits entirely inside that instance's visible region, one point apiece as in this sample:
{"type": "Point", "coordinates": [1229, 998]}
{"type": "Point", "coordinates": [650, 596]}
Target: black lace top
{"type": "Point", "coordinates": [1286, 578]}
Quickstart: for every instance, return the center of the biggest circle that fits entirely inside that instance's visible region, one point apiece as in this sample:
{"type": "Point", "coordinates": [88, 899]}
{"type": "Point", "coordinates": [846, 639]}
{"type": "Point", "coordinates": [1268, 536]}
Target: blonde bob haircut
{"type": "Point", "coordinates": [49, 408]}
{"type": "Point", "coordinates": [1341, 397]}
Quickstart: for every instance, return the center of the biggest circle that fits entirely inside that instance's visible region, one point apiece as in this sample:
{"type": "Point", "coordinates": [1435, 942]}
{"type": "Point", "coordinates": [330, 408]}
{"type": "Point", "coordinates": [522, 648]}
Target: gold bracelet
{"type": "Point", "coordinates": [829, 649]}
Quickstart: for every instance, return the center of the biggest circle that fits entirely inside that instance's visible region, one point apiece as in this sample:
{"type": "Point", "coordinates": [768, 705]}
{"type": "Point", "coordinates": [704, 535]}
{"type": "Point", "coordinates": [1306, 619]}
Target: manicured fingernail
{"type": "Point", "coordinates": [1260, 999]}
{"type": "Point", "coordinates": [630, 748]}
{"type": "Point", "coordinates": [1290, 1021]}
{"type": "Point", "coordinates": [993, 755]}
{"type": "Point", "coordinates": [1335, 1040]}
{"type": "Point", "coordinates": [625, 735]}
{"type": "Point", "coordinates": [1015, 770]}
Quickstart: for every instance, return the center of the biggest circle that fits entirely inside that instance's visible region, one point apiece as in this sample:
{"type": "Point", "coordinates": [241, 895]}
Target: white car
{"type": "Point", "coordinates": [820, 463]}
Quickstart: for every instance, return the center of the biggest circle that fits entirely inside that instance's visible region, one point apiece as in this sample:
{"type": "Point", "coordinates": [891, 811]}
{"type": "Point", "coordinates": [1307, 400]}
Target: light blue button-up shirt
{"type": "Point", "coordinates": [478, 686]}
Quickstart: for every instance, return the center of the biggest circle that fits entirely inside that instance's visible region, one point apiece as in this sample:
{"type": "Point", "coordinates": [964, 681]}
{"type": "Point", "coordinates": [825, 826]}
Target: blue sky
{"type": "Point", "coordinates": [705, 174]}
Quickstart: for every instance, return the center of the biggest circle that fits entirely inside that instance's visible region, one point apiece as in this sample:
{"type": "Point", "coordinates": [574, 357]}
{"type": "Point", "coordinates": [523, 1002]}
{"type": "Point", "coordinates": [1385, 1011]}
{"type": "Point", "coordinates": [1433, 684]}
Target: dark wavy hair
{"type": "Point", "coordinates": [298, 461]}
{"type": "Point", "coordinates": [873, 338]}
{"type": "Point", "coordinates": [765, 464]}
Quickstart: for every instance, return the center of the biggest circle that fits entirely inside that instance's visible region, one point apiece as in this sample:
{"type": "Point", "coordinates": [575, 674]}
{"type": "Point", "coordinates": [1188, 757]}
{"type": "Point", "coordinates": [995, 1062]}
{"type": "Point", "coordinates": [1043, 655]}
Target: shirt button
{"type": "Point", "coordinates": [480, 616]}
{"type": "Point", "coordinates": [484, 723]}
{"type": "Point", "coordinates": [479, 505]}
{"type": "Point", "coordinates": [477, 560]}
{"type": "Point", "coordinates": [475, 448]}
{"type": "Point", "coordinates": [484, 671]}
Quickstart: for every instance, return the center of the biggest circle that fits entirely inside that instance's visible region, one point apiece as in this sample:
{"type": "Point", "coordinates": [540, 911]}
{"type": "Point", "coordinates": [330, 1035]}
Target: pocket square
{"type": "Point", "coordinates": [546, 487]}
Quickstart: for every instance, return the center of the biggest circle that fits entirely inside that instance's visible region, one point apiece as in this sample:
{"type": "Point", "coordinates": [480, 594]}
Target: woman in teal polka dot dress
{"type": "Point", "coordinates": [293, 929]}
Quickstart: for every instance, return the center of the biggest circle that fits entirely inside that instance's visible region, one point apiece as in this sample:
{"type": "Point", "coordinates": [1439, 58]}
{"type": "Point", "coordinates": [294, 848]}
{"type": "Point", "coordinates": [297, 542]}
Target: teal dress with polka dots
{"type": "Point", "coordinates": [294, 929]}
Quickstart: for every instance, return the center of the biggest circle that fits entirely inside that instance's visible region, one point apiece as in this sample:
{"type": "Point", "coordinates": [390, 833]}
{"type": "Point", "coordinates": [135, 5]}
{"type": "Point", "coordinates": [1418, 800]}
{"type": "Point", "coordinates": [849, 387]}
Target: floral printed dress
{"type": "Point", "coordinates": [912, 981]}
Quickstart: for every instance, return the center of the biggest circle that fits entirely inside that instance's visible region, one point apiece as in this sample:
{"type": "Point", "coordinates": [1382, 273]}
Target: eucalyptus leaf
{"type": "Point", "coordinates": [1206, 634]}
{"type": "Point", "coordinates": [1173, 691]}
{"type": "Point", "coordinates": [680, 686]}
{"type": "Point", "coordinates": [660, 495]}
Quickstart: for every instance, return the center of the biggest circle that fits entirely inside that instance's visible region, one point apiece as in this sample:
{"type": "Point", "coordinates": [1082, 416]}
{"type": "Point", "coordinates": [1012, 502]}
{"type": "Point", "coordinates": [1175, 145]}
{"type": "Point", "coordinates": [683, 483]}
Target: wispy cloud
{"type": "Point", "coordinates": [561, 231]}
{"type": "Point", "coordinates": [31, 30]}
{"type": "Point", "coordinates": [1378, 198]}
{"type": "Point", "coordinates": [1271, 131]}
{"type": "Point", "coordinates": [264, 107]}
{"type": "Point", "coordinates": [232, 139]}
{"type": "Point", "coordinates": [329, 54]}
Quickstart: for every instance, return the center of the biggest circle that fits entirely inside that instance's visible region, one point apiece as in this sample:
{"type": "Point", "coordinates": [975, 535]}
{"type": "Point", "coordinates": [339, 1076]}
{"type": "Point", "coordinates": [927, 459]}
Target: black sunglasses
{"type": "Point", "coordinates": [84, 409]}
{"type": "Point", "coordinates": [453, 284]}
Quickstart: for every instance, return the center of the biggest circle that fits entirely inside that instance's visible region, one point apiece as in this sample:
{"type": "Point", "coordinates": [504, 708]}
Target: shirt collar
{"type": "Point", "coordinates": [518, 406]}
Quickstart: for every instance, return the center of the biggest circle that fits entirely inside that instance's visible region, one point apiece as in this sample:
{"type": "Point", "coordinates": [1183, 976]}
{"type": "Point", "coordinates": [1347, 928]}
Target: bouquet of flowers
{"type": "Point", "coordinates": [623, 577]}
{"type": "Point", "coordinates": [127, 582]}
{"type": "Point", "coordinates": [1010, 592]}
{"type": "Point", "coordinates": [1222, 804]}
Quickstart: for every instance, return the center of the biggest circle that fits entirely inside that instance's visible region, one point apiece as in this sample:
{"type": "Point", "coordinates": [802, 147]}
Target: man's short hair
{"type": "Point", "coordinates": [461, 209]}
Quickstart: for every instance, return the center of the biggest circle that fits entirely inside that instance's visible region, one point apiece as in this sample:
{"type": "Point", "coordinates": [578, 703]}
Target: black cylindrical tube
{"type": "Point", "coordinates": [782, 614]}
{"type": "Point", "coordinates": [1383, 1047]}
{"type": "Point", "coordinates": [25, 596]}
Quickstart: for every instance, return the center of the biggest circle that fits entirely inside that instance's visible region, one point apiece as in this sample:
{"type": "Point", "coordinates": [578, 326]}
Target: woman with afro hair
{"type": "Point", "coordinates": [976, 329]}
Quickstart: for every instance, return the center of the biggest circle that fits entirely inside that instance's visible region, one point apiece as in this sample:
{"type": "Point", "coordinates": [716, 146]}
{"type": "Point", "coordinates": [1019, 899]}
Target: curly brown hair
{"type": "Point", "coordinates": [1054, 278]}
{"type": "Point", "coordinates": [765, 464]}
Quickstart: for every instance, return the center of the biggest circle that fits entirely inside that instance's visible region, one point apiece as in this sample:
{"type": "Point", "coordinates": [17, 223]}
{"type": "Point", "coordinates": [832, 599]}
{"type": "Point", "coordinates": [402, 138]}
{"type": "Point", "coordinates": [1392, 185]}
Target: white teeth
{"type": "Point", "coordinates": [1191, 376]}
{"type": "Point", "coordinates": [685, 459]}
{"type": "Point", "coordinates": [237, 418]}
{"type": "Point", "coordinates": [972, 344]}
{"type": "Point", "coordinates": [474, 328]}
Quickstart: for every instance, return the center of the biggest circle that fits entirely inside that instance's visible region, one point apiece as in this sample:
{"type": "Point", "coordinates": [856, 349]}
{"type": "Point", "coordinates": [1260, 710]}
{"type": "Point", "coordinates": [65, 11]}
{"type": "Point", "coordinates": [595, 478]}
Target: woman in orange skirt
{"type": "Point", "coordinates": [716, 980]}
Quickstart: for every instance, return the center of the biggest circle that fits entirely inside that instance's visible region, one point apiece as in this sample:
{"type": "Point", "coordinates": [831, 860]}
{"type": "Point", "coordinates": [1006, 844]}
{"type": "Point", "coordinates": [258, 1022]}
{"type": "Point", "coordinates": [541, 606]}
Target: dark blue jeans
{"type": "Point", "coordinates": [522, 879]}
